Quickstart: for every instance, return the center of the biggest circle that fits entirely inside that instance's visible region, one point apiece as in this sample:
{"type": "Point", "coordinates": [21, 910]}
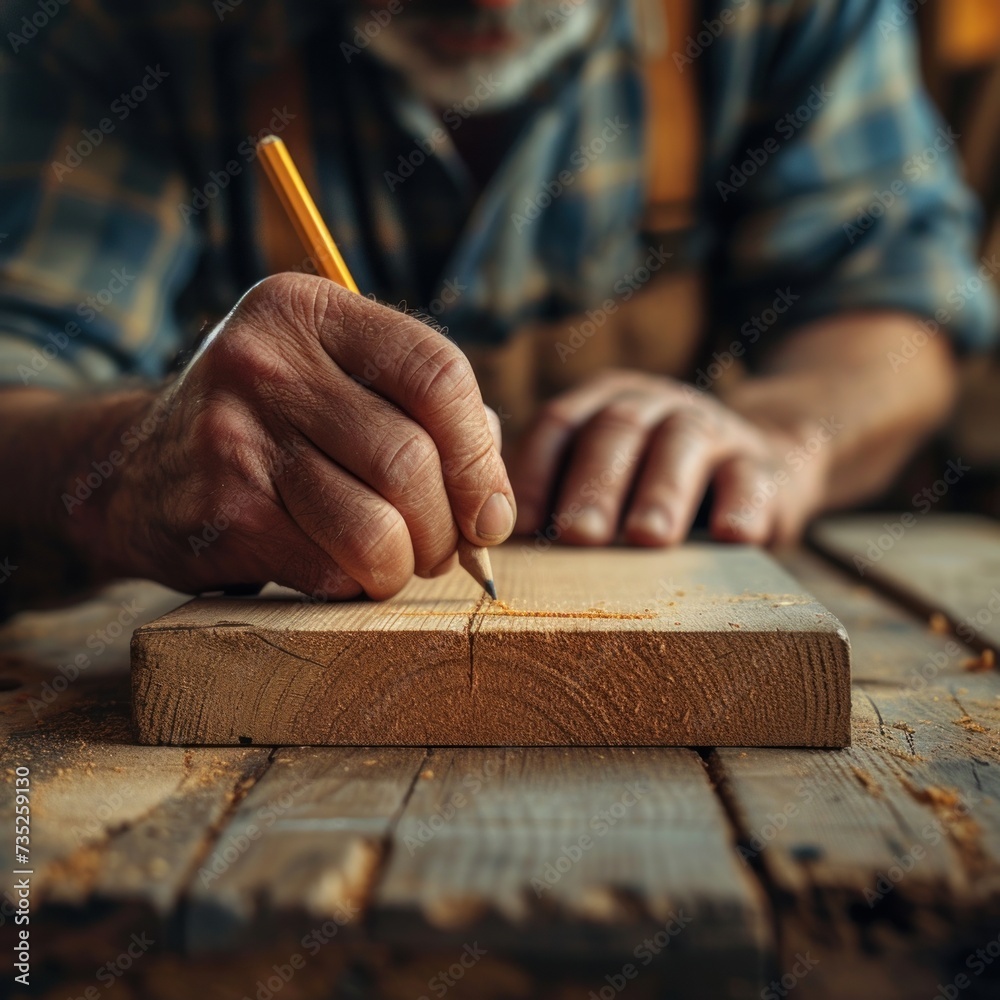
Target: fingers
{"type": "Point", "coordinates": [304, 566]}
{"type": "Point", "coordinates": [745, 510]}
{"type": "Point", "coordinates": [681, 457]}
{"type": "Point", "coordinates": [541, 454]}
{"type": "Point", "coordinates": [353, 525]}
{"type": "Point", "coordinates": [429, 379]}
{"type": "Point", "coordinates": [393, 455]}
{"type": "Point", "coordinates": [605, 458]}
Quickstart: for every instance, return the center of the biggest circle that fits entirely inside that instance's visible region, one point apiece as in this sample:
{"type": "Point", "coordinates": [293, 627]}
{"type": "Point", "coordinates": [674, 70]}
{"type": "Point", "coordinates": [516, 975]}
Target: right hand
{"type": "Point", "coordinates": [342, 445]}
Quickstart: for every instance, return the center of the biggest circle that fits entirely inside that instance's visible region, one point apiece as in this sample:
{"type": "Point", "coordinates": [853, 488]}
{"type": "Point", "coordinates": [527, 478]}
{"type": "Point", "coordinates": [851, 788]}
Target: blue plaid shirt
{"type": "Point", "coordinates": [129, 199]}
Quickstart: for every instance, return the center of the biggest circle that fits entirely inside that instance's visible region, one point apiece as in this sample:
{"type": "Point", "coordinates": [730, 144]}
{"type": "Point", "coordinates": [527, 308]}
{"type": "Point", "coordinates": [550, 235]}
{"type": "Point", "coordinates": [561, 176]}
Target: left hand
{"type": "Point", "coordinates": [640, 450]}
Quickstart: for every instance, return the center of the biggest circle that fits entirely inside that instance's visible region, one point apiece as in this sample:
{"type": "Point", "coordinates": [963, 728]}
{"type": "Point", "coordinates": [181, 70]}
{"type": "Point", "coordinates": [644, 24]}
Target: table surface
{"type": "Point", "coordinates": [502, 872]}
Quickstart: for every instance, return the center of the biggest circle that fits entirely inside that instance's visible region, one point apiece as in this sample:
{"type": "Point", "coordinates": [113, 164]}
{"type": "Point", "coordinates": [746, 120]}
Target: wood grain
{"type": "Point", "coordinates": [576, 852]}
{"type": "Point", "coordinates": [949, 565]}
{"type": "Point", "coordinates": [884, 859]}
{"type": "Point", "coordinates": [700, 645]}
{"type": "Point", "coordinates": [302, 849]}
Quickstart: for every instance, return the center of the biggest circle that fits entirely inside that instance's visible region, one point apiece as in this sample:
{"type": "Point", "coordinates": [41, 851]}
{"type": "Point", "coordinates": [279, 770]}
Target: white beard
{"type": "Point", "coordinates": [514, 74]}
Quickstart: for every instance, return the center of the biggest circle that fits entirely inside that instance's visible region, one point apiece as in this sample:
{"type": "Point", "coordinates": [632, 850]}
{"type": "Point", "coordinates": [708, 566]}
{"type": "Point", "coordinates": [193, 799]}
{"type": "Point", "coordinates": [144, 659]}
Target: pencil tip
{"type": "Point", "coordinates": [491, 589]}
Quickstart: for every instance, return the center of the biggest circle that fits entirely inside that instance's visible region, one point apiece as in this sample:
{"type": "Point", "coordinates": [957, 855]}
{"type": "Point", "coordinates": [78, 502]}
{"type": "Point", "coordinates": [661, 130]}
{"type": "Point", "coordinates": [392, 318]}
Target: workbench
{"type": "Point", "coordinates": [309, 872]}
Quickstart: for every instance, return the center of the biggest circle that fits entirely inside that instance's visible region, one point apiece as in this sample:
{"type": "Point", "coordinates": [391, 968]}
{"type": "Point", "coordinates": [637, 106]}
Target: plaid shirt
{"type": "Point", "coordinates": [129, 200]}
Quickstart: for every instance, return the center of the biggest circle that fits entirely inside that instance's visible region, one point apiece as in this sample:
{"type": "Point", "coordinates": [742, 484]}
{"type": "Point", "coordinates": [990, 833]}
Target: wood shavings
{"type": "Point", "coordinates": [985, 661]}
{"type": "Point", "coordinates": [970, 725]}
{"type": "Point", "coordinates": [869, 784]}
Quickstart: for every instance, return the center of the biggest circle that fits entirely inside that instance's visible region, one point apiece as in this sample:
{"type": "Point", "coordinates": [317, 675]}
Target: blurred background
{"type": "Point", "coordinates": [961, 56]}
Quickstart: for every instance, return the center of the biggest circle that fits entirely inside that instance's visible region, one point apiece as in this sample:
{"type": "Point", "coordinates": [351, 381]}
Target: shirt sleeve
{"type": "Point", "coordinates": [838, 187]}
{"type": "Point", "coordinates": [93, 249]}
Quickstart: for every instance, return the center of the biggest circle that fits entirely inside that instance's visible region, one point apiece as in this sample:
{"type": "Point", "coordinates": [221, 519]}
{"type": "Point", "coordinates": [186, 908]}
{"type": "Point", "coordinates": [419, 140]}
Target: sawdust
{"type": "Point", "coordinates": [500, 609]}
{"type": "Point", "coordinates": [869, 784]}
{"type": "Point", "coordinates": [970, 725]}
{"type": "Point", "coordinates": [778, 600]}
{"type": "Point", "coordinates": [953, 815]}
{"type": "Point", "coordinates": [986, 660]}
{"type": "Point", "coordinates": [80, 868]}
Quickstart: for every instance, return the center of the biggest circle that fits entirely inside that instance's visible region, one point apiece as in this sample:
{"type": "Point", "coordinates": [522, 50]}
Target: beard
{"type": "Point", "coordinates": [445, 49]}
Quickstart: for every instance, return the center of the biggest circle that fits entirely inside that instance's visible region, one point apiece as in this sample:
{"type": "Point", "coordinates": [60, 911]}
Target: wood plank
{"type": "Point", "coordinates": [589, 647]}
{"type": "Point", "coordinates": [948, 564]}
{"type": "Point", "coordinates": [301, 850]}
{"type": "Point", "coordinates": [582, 853]}
{"type": "Point", "coordinates": [883, 859]}
{"type": "Point", "coordinates": [115, 828]}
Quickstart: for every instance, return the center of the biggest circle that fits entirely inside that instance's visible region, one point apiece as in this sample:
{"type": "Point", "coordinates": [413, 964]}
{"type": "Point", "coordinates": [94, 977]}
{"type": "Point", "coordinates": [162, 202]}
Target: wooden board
{"type": "Point", "coordinates": [303, 848]}
{"type": "Point", "coordinates": [946, 564]}
{"type": "Point", "coordinates": [699, 645]}
{"type": "Point", "coordinates": [884, 859]}
{"type": "Point", "coordinates": [576, 852]}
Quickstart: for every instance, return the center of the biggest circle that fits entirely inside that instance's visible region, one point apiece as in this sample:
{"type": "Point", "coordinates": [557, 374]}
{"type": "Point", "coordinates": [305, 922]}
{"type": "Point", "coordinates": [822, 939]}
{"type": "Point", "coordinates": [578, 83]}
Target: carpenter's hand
{"type": "Point", "coordinates": [319, 440]}
{"type": "Point", "coordinates": [630, 455]}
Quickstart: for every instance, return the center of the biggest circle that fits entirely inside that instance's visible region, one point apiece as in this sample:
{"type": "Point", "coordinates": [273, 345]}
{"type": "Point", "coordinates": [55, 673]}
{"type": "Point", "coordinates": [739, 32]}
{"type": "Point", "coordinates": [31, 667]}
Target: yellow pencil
{"type": "Point", "coordinates": [317, 241]}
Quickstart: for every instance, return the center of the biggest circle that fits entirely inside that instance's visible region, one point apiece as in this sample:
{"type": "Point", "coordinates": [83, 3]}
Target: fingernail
{"type": "Point", "coordinates": [591, 522]}
{"type": "Point", "coordinates": [650, 523]}
{"type": "Point", "coordinates": [496, 519]}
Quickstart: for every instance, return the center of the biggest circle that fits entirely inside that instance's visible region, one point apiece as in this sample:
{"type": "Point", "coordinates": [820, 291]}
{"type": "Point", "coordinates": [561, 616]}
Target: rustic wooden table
{"type": "Point", "coordinates": [554, 873]}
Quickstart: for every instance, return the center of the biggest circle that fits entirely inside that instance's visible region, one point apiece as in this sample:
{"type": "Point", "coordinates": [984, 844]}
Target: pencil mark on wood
{"type": "Point", "coordinates": [581, 653]}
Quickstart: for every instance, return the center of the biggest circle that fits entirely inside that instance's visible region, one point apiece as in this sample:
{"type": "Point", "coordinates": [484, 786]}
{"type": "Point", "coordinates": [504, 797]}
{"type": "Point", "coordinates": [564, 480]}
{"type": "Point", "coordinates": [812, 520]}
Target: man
{"type": "Point", "coordinates": [481, 163]}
